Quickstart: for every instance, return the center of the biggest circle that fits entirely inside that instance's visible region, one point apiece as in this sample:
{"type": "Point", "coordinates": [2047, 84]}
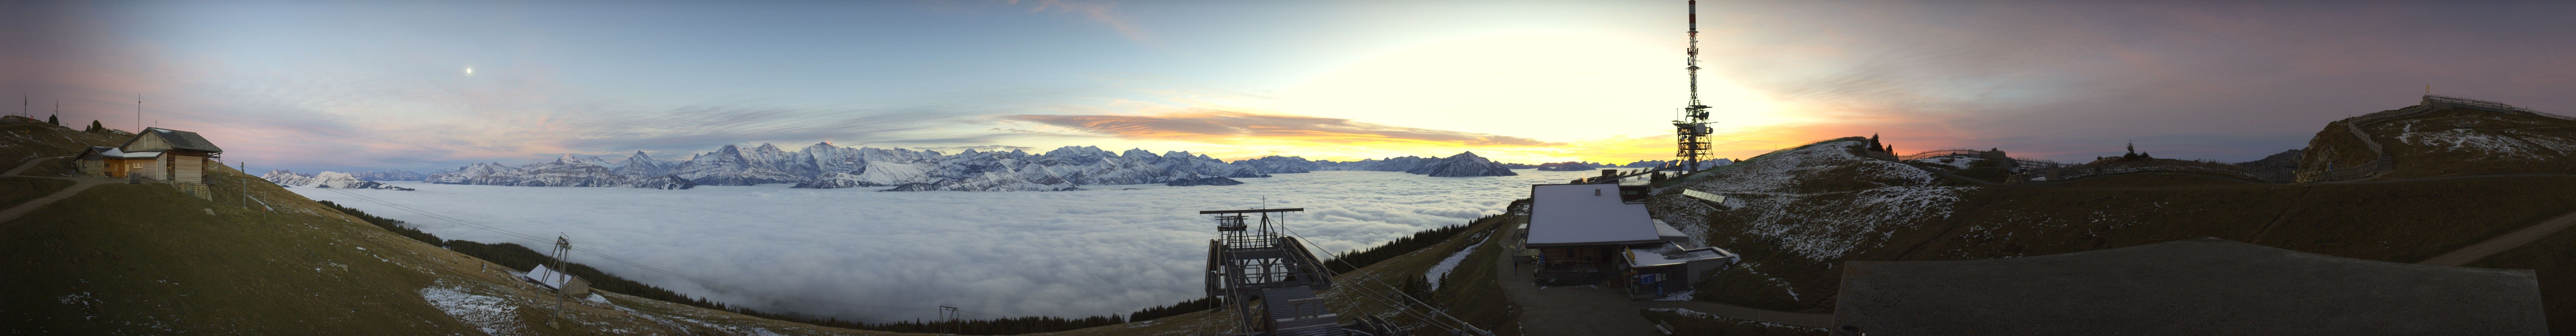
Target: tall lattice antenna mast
{"type": "Point", "coordinates": [1690, 134]}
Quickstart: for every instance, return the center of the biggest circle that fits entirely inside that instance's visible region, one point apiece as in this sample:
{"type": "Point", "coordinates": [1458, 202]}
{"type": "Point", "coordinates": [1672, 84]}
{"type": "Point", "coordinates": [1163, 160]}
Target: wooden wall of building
{"type": "Point", "coordinates": [97, 168]}
{"type": "Point", "coordinates": [186, 167]}
{"type": "Point", "coordinates": [147, 143]}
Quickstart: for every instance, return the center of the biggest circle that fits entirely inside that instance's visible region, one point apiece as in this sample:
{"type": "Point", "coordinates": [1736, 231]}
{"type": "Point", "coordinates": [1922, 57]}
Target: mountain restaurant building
{"type": "Point", "coordinates": [1582, 231]}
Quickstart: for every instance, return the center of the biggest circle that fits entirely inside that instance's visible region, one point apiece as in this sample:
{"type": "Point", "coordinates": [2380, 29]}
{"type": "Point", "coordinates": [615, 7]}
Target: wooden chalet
{"type": "Point", "coordinates": [183, 159]}
{"type": "Point", "coordinates": [175, 157]}
{"type": "Point", "coordinates": [103, 161]}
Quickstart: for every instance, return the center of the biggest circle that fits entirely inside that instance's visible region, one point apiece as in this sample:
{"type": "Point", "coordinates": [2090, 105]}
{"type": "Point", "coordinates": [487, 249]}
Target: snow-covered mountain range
{"type": "Point", "coordinates": [328, 179]}
{"type": "Point", "coordinates": [388, 175]}
{"type": "Point", "coordinates": [824, 165]}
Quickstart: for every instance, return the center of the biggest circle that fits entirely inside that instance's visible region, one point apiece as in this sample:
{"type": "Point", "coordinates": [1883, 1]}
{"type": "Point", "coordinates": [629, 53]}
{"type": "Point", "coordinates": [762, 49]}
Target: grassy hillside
{"type": "Point", "coordinates": [1796, 219]}
{"type": "Point", "coordinates": [257, 259]}
{"type": "Point", "coordinates": [14, 190]}
{"type": "Point", "coordinates": [2459, 142]}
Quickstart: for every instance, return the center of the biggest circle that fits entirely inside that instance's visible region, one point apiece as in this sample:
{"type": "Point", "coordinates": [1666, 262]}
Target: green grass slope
{"type": "Point", "coordinates": [15, 190]}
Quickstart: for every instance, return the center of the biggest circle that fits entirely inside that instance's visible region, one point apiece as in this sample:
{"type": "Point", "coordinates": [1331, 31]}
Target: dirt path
{"type": "Point", "coordinates": [2499, 244]}
{"type": "Point", "coordinates": [1592, 310]}
{"type": "Point", "coordinates": [78, 185]}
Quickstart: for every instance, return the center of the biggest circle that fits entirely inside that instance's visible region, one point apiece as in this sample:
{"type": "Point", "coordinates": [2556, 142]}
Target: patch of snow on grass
{"type": "Point", "coordinates": [1785, 199]}
{"type": "Point", "coordinates": [1682, 296]}
{"type": "Point", "coordinates": [2507, 144]}
{"type": "Point", "coordinates": [494, 315]}
{"type": "Point", "coordinates": [1434, 275]}
{"type": "Point", "coordinates": [1952, 161]}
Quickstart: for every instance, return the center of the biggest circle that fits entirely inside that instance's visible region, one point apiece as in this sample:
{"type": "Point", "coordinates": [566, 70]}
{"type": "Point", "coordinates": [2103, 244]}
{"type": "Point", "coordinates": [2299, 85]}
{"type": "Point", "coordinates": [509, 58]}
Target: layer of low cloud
{"type": "Point", "coordinates": [1077, 253]}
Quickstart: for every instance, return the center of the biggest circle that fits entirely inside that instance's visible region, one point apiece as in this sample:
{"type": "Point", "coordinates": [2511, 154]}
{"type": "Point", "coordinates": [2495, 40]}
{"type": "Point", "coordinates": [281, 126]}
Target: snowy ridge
{"type": "Point", "coordinates": [566, 171]}
{"type": "Point", "coordinates": [825, 166]}
{"type": "Point", "coordinates": [389, 175]}
{"type": "Point", "coordinates": [328, 179]}
{"type": "Point", "coordinates": [1818, 201]}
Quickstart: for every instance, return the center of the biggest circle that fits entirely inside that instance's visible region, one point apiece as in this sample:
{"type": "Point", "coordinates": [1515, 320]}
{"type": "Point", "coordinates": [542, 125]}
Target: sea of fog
{"type": "Point", "coordinates": [1113, 249]}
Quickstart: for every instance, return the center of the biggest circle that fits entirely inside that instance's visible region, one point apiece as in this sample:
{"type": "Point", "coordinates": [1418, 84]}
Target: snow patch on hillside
{"type": "Point", "coordinates": [1787, 199]}
{"type": "Point", "coordinates": [2499, 143]}
{"type": "Point", "coordinates": [1952, 161]}
{"type": "Point", "coordinates": [494, 315]}
{"type": "Point", "coordinates": [1441, 270]}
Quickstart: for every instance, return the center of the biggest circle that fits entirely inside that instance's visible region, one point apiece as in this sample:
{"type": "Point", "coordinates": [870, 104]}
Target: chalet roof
{"type": "Point", "coordinates": [2188, 287]}
{"type": "Point", "coordinates": [1586, 214]}
{"type": "Point", "coordinates": [94, 152]}
{"type": "Point", "coordinates": [178, 139]}
{"type": "Point", "coordinates": [105, 152]}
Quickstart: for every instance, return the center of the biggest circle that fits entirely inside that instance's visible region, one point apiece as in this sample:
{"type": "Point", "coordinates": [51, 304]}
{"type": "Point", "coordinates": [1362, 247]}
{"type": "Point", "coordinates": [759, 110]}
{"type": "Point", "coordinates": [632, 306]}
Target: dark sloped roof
{"type": "Point", "coordinates": [94, 152]}
{"type": "Point", "coordinates": [178, 139]}
{"type": "Point", "coordinates": [2202, 286]}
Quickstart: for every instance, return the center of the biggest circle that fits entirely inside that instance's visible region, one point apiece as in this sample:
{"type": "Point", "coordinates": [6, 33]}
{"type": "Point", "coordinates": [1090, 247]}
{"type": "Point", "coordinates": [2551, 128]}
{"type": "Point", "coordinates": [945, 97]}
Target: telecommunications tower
{"type": "Point", "coordinates": [1690, 134]}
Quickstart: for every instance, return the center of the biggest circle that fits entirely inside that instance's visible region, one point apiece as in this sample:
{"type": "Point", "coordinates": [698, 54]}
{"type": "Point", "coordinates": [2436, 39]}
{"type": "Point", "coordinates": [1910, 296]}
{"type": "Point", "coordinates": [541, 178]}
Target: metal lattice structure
{"type": "Point", "coordinates": [1251, 260]}
{"type": "Point", "coordinates": [1690, 132]}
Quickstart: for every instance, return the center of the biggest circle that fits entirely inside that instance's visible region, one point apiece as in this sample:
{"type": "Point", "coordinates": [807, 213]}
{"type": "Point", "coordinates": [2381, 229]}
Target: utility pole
{"type": "Point", "coordinates": [950, 313]}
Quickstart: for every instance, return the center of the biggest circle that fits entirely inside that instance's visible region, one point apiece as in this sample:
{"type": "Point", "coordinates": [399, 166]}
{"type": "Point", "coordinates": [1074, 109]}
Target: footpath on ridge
{"type": "Point", "coordinates": [78, 185]}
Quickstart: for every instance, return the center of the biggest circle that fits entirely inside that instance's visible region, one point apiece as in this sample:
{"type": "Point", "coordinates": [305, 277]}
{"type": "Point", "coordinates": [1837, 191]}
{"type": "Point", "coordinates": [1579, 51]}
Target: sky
{"type": "Point", "coordinates": [353, 85]}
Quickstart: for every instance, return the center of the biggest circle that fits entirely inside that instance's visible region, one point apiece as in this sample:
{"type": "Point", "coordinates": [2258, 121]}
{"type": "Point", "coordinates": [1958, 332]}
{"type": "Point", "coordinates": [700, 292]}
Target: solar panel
{"type": "Point", "coordinates": [1704, 196]}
